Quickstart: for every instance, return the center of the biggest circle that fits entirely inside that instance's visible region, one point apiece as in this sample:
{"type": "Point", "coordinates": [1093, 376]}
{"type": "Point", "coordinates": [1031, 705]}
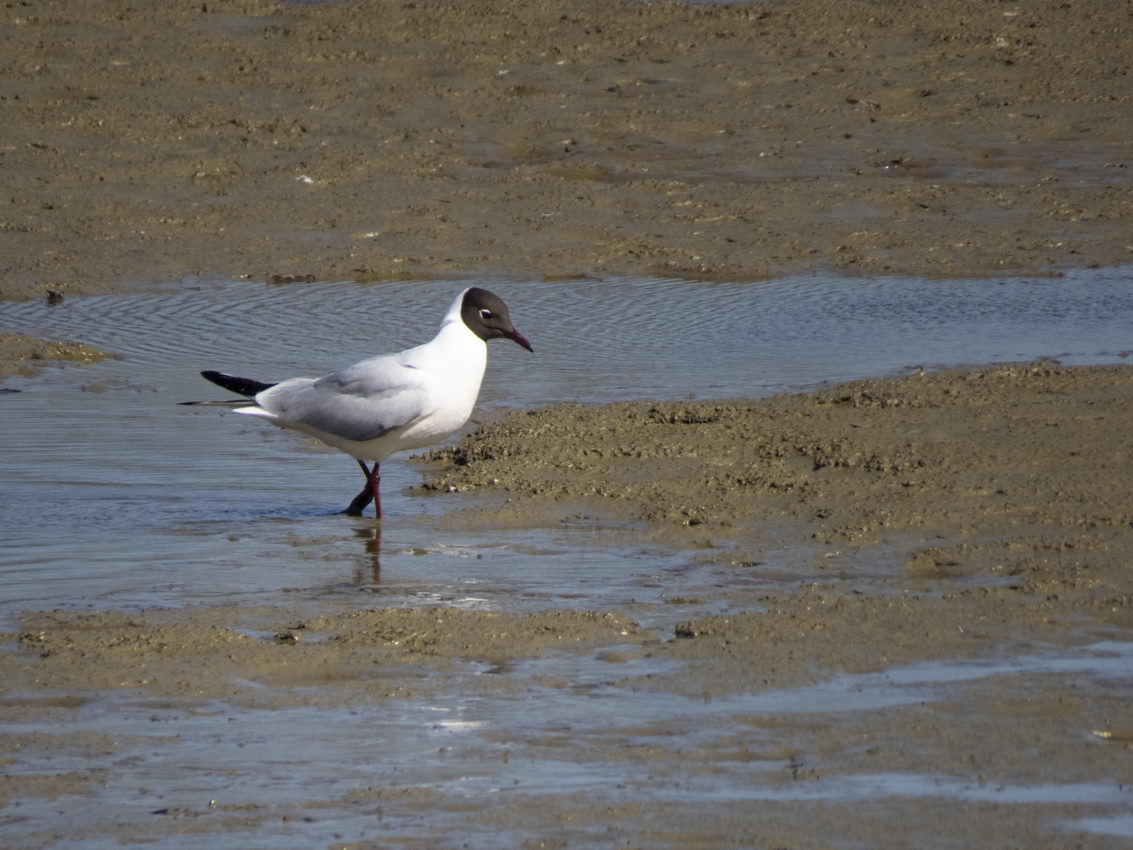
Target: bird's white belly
{"type": "Point", "coordinates": [429, 429]}
{"type": "Point", "coordinates": [435, 427]}
{"type": "Point", "coordinates": [426, 432]}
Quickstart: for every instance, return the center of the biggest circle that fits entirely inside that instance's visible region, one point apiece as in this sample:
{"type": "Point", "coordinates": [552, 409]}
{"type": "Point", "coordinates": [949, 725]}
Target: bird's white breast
{"type": "Point", "coordinates": [454, 362]}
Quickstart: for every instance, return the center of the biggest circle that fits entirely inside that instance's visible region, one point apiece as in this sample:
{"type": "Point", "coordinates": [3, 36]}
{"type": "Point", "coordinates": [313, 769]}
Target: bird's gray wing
{"type": "Point", "coordinates": [361, 402]}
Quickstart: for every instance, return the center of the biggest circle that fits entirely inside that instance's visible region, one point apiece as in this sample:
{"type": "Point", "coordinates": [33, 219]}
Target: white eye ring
{"type": "Point", "coordinates": [485, 313]}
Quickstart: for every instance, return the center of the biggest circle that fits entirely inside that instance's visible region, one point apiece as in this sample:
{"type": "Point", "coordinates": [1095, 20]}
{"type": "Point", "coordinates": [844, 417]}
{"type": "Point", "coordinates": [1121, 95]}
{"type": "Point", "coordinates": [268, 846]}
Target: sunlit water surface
{"type": "Point", "coordinates": [115, 495]}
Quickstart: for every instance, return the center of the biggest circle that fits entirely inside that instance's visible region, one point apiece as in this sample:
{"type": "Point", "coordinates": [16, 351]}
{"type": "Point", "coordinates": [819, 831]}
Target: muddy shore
{"type": "Point", "coordinates": [976, 516]}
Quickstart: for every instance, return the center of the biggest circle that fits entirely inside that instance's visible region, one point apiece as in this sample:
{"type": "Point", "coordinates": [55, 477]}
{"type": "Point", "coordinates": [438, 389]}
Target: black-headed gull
{"type": "Point", "coordinates": [392, 402]}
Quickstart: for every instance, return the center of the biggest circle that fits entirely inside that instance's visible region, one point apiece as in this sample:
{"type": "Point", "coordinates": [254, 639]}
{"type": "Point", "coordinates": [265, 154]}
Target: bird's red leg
{"type": "Point", "coordinates": [375, 481]}
{"type": "Point", "coordinates": [360, 501]}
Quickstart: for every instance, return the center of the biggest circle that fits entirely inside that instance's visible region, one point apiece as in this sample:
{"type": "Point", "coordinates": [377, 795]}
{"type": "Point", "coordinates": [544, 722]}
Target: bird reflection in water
{"type": "Point", "coordinates": [370, 532]}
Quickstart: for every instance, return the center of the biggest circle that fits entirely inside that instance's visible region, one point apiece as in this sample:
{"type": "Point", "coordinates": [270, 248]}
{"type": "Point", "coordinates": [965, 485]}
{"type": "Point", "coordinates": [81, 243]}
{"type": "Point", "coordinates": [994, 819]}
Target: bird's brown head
{"type": "Point", "coordinates": [486, 315]}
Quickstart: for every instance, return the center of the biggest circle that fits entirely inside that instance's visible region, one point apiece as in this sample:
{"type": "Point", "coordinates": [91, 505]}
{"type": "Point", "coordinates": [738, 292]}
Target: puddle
{"type": "Point", "coordinates": [1120, 826]}
{"type": "Point", "coordinates": [914, 684]}
{"type": "Point", "coordinates": [874, 786]}
{"type": "Point", "coordinates": [907, 685]}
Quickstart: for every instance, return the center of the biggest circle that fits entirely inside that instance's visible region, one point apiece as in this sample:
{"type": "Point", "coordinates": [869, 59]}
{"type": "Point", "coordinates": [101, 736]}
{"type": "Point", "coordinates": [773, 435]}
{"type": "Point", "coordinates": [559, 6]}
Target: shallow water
{"type": "Point", "coordinates": [115, 496]}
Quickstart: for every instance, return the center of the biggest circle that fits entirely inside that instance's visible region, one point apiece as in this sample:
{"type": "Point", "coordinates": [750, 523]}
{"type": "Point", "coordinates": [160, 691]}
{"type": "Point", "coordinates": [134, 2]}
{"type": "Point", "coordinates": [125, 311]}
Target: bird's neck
{"type": "Point", "coordinates": [456, 341]}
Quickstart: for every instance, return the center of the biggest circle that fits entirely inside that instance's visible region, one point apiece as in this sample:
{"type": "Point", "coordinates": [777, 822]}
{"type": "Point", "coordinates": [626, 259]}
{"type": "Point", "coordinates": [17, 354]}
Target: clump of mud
{"type": "Point", "coordinates": [24, 355]}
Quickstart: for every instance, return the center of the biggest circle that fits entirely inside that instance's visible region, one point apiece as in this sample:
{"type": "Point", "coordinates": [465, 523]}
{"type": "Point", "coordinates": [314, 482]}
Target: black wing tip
{"type": "Point", "coordinates": [232, 383]}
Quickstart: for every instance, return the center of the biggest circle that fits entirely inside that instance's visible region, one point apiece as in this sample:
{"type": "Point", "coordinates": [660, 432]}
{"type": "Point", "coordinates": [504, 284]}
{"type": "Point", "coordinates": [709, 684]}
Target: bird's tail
{"type": "Point", "coordinates": [235, 402]}
{"type": "Point", "coordinates": [241, 386]}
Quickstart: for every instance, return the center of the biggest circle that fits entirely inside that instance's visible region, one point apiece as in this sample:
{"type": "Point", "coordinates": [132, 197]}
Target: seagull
{"type": "Point", "coordinates": [389, 403]}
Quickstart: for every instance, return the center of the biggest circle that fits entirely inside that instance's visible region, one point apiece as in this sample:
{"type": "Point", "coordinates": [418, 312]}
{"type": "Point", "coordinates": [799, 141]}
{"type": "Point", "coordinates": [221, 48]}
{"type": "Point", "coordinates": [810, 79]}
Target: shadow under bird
{"type": "Point", "coordinates": [389, 403]}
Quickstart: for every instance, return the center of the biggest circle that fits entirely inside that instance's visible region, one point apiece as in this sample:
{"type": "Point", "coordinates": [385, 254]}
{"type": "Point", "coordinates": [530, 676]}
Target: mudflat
{"type": "Point", "coordinates": [391, 139]}
{"type": "Point", "coordinates": [975, 516]}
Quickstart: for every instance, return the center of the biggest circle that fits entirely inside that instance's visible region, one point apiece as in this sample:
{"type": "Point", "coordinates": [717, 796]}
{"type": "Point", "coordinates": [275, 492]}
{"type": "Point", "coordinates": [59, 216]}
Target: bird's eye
{"type": "Point", "coordinates": [485, 313]}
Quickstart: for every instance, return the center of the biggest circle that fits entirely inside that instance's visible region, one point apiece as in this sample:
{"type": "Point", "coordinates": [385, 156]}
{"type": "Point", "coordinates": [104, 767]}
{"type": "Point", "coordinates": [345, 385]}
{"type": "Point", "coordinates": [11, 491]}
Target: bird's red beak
{"type": "Point", "coordinates": [519, 339]}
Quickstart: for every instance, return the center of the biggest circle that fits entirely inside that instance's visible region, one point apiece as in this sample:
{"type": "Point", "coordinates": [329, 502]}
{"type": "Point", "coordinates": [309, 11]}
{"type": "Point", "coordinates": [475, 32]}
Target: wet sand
{"type": "Point", "coordinates": [964, 515]}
